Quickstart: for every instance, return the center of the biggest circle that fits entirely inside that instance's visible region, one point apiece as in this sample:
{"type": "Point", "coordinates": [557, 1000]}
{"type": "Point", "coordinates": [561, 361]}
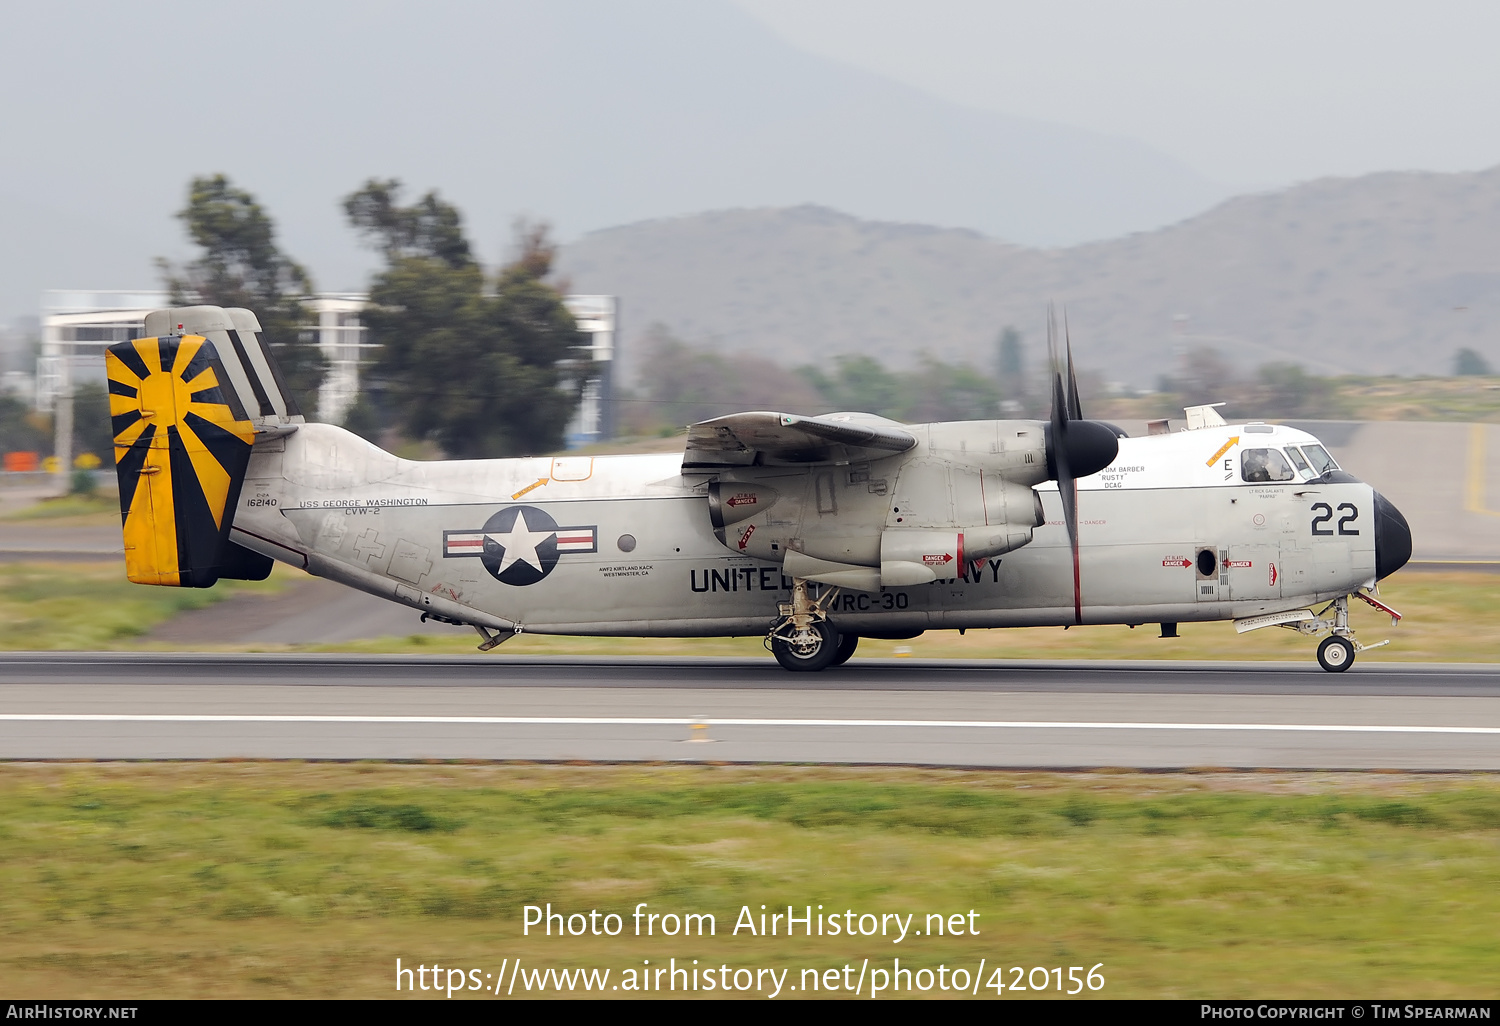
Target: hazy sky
{"type": "Point", "coordinates": [1035, 123]}
{"type": "Point", "coordinates": [1248, 92]}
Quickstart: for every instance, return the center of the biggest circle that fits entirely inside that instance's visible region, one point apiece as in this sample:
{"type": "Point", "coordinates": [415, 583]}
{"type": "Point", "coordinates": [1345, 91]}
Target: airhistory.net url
{"type": "Point", "coordinates": [689, 976]}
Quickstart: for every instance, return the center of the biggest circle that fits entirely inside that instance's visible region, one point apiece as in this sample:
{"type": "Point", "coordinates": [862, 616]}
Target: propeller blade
{"type": "Point", "coordinates": [1060, 466]}
{"type": "Point", "coordinates": [1052, 365]}
{"type": "Point", "coordinates": [1069, 491]}
{"type": "Point", "coordinates": [1075, 447]}
{"type": "Point", "coordinates": [1075, 408]}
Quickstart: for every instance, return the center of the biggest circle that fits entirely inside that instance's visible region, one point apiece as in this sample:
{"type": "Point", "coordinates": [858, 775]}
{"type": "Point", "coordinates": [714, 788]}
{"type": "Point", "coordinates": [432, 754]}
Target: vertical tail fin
{"type": "Point", "coordinates": [184, 425]}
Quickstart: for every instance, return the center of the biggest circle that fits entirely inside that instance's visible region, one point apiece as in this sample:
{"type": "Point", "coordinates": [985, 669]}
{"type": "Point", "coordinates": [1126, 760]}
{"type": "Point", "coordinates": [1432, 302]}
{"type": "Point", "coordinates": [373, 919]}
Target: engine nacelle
{"type": "Point", "coordinates": [910, 557]}
{"type": "Point", "coordinates": [730, 502]}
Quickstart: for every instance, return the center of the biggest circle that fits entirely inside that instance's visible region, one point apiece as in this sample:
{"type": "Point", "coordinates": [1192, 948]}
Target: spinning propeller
{"type": "Point", "coordinates": [1075, 447]}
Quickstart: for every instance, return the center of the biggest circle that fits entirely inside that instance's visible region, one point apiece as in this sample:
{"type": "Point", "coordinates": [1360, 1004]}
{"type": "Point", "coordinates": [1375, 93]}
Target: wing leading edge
{"type": "Point", "coordinates": [761, 438]}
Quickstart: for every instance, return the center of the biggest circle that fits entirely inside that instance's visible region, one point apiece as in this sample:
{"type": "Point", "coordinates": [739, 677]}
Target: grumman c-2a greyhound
{"type": "Point", "coordinates": [811, 531]}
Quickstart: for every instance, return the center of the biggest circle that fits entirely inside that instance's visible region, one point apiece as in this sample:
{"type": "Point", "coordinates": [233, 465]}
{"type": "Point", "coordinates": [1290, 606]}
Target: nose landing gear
{"type": "Point", "coordinates": [1337, 651]}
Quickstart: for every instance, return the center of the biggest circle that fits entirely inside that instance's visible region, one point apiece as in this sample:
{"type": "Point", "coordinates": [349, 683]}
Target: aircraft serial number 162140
{"type": "Point", "coordinates": [813, 531]}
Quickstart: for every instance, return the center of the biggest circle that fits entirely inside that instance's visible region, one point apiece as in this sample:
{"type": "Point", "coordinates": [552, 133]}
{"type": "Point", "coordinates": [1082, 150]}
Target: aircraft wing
{"type": "Point", "coordinates": [759, 439]}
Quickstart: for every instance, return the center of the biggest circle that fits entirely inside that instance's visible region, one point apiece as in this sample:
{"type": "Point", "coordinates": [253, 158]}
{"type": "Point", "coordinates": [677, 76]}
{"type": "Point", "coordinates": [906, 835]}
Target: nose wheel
{"type": "Point", "coordinates": [1337, 651]}
{"type": "Point", "coordinates": [1336, 654]}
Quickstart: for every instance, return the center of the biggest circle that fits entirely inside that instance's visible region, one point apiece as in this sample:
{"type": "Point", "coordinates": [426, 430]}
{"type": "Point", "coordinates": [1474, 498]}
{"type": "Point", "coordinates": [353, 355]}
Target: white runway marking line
{"type": "Point", "coordinates": [652, 721]}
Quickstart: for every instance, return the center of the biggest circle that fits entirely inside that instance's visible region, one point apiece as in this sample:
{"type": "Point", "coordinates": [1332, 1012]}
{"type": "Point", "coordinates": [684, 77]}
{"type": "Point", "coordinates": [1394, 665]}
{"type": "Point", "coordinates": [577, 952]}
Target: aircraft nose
{"type": "Point", "coordinates": [1392, 538]}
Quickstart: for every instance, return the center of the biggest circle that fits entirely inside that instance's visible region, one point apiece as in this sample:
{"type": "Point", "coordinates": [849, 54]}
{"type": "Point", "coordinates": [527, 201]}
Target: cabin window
{"type": "Point", "coordinates": [1318, 456]}
{"type": "Point", "coordinates": [1259, 466]}
{"type": "Point", "coordinates": [1296, 457]}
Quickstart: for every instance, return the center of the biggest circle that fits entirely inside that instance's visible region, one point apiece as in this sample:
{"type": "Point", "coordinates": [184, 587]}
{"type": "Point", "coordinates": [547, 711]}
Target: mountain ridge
{"type": "Point", "coordinates": [1383, 273]}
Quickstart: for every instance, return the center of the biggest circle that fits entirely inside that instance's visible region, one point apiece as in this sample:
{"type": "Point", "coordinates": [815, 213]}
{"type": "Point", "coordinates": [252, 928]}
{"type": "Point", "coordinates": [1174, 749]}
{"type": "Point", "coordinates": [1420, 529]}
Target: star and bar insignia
{"type": "Point", "coordinates": [520, 544]}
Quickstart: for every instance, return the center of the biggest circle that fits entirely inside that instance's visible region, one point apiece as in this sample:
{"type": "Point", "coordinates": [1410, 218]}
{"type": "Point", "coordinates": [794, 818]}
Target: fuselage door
{"type": "Point", "coordinates": [1252, 572]}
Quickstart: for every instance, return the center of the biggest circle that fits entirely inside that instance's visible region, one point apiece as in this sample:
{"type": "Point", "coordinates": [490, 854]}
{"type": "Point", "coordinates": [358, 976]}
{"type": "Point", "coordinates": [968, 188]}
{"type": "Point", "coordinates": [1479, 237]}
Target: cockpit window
{"type": "Point", "coordinates": [1259, 466]}
{"type": "Point", "coordinates": [1296, 457]}
{"type": "Point", "coordinates": [1318, 456]}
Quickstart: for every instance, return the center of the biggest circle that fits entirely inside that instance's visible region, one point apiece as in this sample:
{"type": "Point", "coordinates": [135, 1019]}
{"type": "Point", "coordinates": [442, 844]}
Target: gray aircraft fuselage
{"type": "Point", "coordinates": [625, 545]}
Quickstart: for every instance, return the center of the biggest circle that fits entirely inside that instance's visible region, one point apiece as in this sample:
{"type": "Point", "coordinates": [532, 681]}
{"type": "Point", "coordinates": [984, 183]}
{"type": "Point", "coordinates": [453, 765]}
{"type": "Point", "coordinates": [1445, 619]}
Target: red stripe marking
{"type": "Point", "coordinates": [1077, 583]}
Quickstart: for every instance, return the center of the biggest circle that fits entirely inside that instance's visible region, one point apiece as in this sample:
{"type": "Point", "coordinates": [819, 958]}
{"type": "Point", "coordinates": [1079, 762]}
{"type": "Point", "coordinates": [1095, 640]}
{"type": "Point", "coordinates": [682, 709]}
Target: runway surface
{"type": "Point", "coordinates": [1156, 715]}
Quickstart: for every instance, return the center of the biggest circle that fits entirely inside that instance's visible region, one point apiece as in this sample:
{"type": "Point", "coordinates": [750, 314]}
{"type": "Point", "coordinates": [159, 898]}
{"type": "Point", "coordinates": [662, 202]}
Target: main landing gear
{"type": "Point", "coordinates": [803, 640]}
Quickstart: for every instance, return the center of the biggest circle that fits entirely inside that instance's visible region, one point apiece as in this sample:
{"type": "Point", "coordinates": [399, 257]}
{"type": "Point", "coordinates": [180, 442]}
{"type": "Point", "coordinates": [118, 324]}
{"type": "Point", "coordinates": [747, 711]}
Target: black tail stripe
{"type": "Point", "coordinates": [266, 409]}
{"type": "Point", "coordinates": [232, 453]}
{"type": "Point", "coordinates": [207, 358]}
{"type": "Point", "coordinates": [166, 348]}
{"type": "Point", "coordinates": [120, 388]}
{"type": "Point", "coordinates": [199, 363]}
{"type": "Point", "coordinates": [129, 469]}
{"type": "Point", "coordinates": [126, 353]}
{"type": "Point", "coordinates": [228, 394]}
{"type": "Point", "coordinates": [120, 421]}
{"type": "Point", "coordinates": [198, 537]}
{"type": "Point", "coordinates": [292, 409]}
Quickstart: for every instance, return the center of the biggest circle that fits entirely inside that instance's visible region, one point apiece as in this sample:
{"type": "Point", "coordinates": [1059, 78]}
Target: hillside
{"type": "Point", "coordinates": [1383, 274]}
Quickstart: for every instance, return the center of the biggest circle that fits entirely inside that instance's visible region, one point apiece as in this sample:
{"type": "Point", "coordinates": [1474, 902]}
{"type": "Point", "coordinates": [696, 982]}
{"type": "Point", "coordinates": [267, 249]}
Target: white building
{"type": "Point", "coordinates": [77, 326]}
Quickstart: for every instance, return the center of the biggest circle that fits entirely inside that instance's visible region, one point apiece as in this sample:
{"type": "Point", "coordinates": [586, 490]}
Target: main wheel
{"type": "Point", "coordinates": [1336, 654]}
{"type": "Point", "coordinates": [847, 644]}
{"type": "Point", "coordinates": [816, 654]}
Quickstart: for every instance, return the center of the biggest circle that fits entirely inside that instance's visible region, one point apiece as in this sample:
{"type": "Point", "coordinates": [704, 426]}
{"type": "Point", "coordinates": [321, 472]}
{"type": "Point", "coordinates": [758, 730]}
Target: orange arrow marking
{"type": "Point", "coordinates": [542, 480]}
{"type": "Point", "coordinates": [1233, 441]}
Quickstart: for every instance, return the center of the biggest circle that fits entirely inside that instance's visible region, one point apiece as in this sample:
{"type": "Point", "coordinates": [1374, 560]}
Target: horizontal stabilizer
{"type": "Point", "coordinates": [761, 439]}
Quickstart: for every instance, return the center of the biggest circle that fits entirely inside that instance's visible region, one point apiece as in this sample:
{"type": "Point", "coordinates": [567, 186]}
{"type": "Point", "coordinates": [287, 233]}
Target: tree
{"type": "Point", "coordinates": [92, 431]}
{"type": "Point", "coordinates": [860, 384]}
{"type": "Point", "coordinates": [1470, 362]}
{"type": "Point", "coordinates": [481, 372]}
{"type": "Point", "coordinates": [241, 266]}
{"type": "Point", "coordinates": [1010, 366]}
{"type": "Point", "coordinates": [945, 391]}
{"type": "Point", "coordinates": [1286, 390]}
{"type": "Point", "coordinates": [363, 417]}
{"type": "Point", "coordinates": [687, 384]}
{"type": "Point", "coordinates": [22, 430]}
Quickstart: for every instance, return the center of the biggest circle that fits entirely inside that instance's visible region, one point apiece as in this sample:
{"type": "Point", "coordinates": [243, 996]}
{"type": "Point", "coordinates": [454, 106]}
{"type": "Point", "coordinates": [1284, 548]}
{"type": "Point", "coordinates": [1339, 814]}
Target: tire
{"type": "Point", "coordinates": [847, 644]}
{"type": "Point", "coordinates": [1336, 654]}
{"type": "Point", "coordinates": [820, 657]}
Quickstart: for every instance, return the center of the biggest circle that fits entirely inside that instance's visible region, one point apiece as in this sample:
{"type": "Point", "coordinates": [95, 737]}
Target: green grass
{"type": "Point", "coordinates": [89, 606]}
{"type": "Point", "coordinates": [71, 506]}
{"type": "Point", "coordinates": [274, 879]}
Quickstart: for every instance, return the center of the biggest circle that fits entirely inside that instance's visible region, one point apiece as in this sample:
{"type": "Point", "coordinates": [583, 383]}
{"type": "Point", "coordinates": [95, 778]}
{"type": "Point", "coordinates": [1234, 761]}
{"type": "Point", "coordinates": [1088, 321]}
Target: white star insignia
{"type": "Point", "coordinates": [520, 543]}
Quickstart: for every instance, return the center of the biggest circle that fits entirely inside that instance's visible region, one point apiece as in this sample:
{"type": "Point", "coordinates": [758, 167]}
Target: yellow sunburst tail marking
{"type": "Point", "coordinates": [182, 446]}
